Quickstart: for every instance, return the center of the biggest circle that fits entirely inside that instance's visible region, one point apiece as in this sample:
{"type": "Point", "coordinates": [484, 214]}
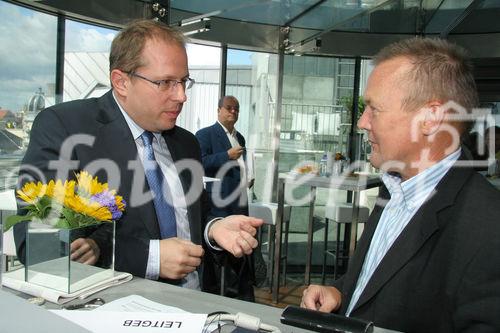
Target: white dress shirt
{"type": "Point", "coordinates": [233, 139]}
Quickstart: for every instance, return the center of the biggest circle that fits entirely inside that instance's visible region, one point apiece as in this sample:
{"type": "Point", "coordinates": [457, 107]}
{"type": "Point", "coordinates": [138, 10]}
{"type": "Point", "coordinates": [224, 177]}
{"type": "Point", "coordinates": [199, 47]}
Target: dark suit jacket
{"type": "Point", "coordinates": [214, 146]}
{"type": "Point", "coordinates": [101, 120]}
{"type": "Point", "coordinates": [442, 274]}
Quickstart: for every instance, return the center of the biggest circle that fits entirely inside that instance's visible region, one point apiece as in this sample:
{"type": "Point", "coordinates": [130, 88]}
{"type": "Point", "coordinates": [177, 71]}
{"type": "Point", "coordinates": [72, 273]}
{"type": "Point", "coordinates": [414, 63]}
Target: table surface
{"type": "Point", "coordinates": [186, 299]}
{"type": "Point", "coordinates": [17, 315]}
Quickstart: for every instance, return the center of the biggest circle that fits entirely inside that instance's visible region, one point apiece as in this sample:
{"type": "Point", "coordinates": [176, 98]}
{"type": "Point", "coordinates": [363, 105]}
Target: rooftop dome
{"type": "Point", "coordinates": [37, 101]}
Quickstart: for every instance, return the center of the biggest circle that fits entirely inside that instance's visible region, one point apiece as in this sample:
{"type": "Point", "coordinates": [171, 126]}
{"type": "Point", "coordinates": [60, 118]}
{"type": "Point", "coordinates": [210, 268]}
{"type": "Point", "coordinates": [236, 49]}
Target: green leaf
{"type": "Point", "coordinates": [62, 224]}
{"type": "Point", "coordinates": [15, 219]}
{"type": "Point", "coordinates": [84, 220]}
{"type": "Point", "coordinates": [70, 217]}
{"type": "Point", "coordinates": [42, 207]}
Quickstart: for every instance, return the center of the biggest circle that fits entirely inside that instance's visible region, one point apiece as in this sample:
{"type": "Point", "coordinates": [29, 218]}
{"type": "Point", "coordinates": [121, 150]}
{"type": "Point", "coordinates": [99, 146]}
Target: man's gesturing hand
{"type": "Point", "coordinates": [235, 234]}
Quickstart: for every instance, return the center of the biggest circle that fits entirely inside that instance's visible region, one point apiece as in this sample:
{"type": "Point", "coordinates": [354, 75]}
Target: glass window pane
{"type": "Point", "coordinates": [251, 78]}
{"type": "Point", "coordinates": [27, 80]}
{"type": "Point", "coordinates": [86, 60]}
{"type": "Point", "coordinates": [297, 66]}
{"type": "Point", "coordinates": [311, 66]}
{"type": "Point", "coordinates": [200, 109]}
{"type": "Point", "coordinates": [326, 66]}
{"type": "Point", "coordinates": [312, 116]}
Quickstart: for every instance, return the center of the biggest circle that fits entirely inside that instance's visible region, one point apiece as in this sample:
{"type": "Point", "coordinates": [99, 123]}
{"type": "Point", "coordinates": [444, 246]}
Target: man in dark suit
{"type": "Point", "coordinates": [428, 258]}
{"type": "Point", "coordinates": [223, 156]}
{"type": "Point", "coordinates": [121, 138]}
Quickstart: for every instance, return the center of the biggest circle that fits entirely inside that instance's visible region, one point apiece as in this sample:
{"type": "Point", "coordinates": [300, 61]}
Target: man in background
{"type": "Point", "coordinates": [223, 156]}
{"type": "Point", "coordinates": [223, 151]}
{"type": "Point", "coordinates": [428, 258]}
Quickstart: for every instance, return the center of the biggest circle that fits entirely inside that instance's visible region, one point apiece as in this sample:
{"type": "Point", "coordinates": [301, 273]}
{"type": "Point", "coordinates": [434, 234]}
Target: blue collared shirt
{"type": "Point", "coordinates": [406, 199]}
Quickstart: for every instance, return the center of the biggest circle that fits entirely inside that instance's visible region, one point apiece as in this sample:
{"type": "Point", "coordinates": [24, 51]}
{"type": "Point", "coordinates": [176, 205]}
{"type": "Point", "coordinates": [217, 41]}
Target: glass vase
{"type": "Point", "coordinates": [48, 257]}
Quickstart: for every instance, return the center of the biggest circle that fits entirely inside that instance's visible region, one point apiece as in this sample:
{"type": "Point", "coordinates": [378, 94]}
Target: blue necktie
{"type": "Point", "coordinates": [164, 210]}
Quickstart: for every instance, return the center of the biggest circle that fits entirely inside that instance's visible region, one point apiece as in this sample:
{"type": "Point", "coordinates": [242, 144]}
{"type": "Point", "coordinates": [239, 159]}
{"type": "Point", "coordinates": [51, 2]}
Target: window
{"type": "Point", "coordinates": [86, 60]}
{"type": "Point", "coordinates": [200, 109]}
{"type": "Point", "coordinates": [27, 80]}
{"type": "Point", "coordinates": [28, 74]}
{"type": "Point", "coordinates": [251, 78]}
{"type": "Point", "coordinates": [311, 118]}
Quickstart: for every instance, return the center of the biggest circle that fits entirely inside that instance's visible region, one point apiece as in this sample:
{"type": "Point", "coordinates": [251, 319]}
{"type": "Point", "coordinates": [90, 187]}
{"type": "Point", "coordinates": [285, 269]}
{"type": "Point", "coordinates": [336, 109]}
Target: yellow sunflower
{"type": "Point", "coordinates": [89, 185]}
{"type": "Point", "coordinates": [32, 192]}
{"type": "Point", "coordinates": [89, 208]}
{"type": "Point", "coordinates": [60, 191]}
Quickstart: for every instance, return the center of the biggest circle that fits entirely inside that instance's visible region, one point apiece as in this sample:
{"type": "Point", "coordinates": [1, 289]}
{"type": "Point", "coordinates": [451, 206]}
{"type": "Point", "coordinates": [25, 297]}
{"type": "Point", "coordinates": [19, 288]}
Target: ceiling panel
{"type": "Point", "coordinates": [259, 11]}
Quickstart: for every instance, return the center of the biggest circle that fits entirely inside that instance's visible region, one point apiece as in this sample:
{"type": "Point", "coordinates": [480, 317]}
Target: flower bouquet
{"type": "Point", "coordinates": [72, 204]}
{"type": "Point", "coordinates": [70, 231]}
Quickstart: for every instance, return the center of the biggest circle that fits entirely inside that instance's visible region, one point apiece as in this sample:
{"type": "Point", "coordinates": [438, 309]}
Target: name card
{"type": "Point", "coordinates": [108, 321]}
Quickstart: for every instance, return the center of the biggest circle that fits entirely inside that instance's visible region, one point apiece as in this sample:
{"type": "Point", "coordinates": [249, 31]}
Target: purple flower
{"type": "Point", "coordinates": [107, 199]}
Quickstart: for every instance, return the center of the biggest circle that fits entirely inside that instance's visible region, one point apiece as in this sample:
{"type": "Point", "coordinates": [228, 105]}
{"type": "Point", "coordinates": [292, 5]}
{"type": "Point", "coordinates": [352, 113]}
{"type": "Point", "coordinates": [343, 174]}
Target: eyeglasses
{"type": "Point", "coordinates": [167, 84]}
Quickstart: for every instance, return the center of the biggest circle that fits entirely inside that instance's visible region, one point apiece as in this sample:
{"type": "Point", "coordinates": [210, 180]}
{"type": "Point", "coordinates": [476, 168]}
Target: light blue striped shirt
{"type": "Point", "coordinates": [406, 199]}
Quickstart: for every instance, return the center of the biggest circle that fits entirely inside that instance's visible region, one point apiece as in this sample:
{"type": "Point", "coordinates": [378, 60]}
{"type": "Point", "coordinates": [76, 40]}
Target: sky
{"type": "Point", "coordinates": [28, 51]}
{"type": "Point", "coordinates": [27, 54]}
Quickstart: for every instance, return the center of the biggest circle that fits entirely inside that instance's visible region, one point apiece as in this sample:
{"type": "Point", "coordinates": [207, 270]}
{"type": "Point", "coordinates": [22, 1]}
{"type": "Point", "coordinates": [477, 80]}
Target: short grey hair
{"type": "Point", "coordinates": [441, 70]}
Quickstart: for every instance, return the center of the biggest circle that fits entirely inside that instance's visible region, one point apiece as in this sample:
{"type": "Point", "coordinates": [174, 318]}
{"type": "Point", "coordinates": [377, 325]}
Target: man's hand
{"type": "Point", "coordinates": [235, 234]}
{"type": "Point", "coordinates": [235, 152]}
{"type": "Point", "coordinates": [85, 251]}
{"type": "Point", "coordinates": [178, 257]}
{"type": "Point", "coordinates": [321, 298]}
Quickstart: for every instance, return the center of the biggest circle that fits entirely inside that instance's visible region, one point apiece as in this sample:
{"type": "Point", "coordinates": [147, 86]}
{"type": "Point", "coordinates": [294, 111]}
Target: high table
{"type": "Point", "coordinates": [353, 183]}
{"type": "Point", "coordinates": [189, 300]}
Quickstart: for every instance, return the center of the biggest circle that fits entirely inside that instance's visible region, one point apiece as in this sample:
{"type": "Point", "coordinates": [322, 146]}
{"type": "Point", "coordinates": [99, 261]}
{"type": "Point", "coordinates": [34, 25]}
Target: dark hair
{"type": "Point", "coordinates": [127, 46]}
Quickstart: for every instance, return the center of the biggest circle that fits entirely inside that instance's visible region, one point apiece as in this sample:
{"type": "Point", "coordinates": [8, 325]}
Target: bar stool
{"type": "Point", "coordinates": [267, 212]}
{"type": "Point", "coordinates": [341, 214]}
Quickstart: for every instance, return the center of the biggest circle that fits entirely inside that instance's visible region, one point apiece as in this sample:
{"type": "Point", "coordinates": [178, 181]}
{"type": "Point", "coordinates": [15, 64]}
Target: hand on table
{"type": "Point", "coordinates": [321, 298]}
